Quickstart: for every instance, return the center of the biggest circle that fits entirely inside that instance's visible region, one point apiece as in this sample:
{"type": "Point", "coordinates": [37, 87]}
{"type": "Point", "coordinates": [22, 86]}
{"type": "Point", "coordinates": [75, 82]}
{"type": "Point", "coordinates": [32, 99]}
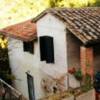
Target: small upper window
{"type": "Point", "coordinates": [47, 49]}
{"type": "Point", "coordinates": [28, 46]}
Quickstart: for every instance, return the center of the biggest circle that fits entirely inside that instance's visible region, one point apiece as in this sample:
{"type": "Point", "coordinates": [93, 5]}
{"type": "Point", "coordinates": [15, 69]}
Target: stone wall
{"type": "Point", "coordinates": [73, 50]}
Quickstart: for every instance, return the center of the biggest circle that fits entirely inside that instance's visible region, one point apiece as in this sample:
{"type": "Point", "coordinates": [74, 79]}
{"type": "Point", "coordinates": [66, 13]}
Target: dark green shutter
{"type": "Point", "coordinates": [47, 49]}
{"type": "Point", "coordinates": [42, 48]}
{"type": "Point", "coordinates": [29, 47]}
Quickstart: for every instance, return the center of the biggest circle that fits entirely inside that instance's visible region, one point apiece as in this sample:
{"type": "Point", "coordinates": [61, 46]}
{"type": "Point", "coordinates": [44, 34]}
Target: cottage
{"type": "Point", "coordinates": [61, 38]}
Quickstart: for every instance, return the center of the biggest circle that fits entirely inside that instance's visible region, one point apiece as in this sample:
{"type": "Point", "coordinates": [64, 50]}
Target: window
{"type": "Point", "coordinates": [29, 47]}
{"type": "Point", "coordinates": [47, 49]}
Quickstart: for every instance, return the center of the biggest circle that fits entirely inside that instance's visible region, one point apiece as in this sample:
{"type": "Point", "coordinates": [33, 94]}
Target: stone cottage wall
{"type": "Point", "coordinates": [73, 51]}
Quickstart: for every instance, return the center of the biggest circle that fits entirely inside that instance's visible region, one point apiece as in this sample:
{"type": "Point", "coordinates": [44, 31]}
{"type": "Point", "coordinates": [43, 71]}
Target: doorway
{"type": "Point", "coordinates": [30, 82]}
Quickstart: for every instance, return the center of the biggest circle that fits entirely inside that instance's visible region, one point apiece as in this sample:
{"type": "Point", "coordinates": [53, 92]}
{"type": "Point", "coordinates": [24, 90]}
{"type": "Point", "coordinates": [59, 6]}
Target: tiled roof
{"type": "Point", "coordinates": [84, 23]}
{"type": "Point", "coordinates": [25, 31]}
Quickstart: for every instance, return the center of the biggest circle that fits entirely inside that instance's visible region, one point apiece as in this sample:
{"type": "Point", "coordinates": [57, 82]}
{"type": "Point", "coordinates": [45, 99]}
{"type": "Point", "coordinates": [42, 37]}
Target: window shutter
{"type": "Point", "coordinates": [25, 46]}
{"type": "Point", "coordinates": [29, 47]}
{"type": "Point", "coordinates": [42, 48]}
{"type": "Point", "coordinates": [47, 49]}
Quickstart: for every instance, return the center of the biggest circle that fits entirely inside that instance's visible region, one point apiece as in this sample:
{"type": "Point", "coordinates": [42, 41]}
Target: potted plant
{"type": "Point", "coordinates": [86, 90]}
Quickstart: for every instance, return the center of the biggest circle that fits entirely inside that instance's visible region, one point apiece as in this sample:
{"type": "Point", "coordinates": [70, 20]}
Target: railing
{"type": "Point", "coordinates": [7, 92]}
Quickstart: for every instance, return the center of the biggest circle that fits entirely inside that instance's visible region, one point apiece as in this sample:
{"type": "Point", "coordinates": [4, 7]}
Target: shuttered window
{"type": "Point", "coordinates": [47, 49]}
{"type": "Point", "coordinates": [28, 47]}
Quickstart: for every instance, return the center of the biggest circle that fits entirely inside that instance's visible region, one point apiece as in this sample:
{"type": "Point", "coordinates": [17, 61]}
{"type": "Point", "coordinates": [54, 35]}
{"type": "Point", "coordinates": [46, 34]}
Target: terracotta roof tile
{"type": "Point", "coordinates": [25, 31]}
{"type": "Point", "coordinates": [84, 23]}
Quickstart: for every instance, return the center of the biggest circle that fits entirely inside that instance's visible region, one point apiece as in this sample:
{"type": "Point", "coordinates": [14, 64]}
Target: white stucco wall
{"type": "Point", "coordinates": [51, 26]}
{"type": "Point", "coordinates": [21, 61]}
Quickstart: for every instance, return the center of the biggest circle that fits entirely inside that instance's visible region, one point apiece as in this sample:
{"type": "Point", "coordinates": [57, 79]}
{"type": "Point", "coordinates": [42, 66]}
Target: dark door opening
{"type": "Point", "coordinates": [30, 81]}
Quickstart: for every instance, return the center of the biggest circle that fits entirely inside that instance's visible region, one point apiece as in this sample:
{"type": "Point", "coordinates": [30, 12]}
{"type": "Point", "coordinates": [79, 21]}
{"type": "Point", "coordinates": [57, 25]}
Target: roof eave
{"type": "Point", "coordinates": [25, 33]}
{"type": "Point", "coordinates": [92, 42]}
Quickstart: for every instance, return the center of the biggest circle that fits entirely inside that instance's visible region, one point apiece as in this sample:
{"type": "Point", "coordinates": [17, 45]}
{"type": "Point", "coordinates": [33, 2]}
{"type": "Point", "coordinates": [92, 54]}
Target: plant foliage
{"type": "Point", "coordinates": [5, 72]}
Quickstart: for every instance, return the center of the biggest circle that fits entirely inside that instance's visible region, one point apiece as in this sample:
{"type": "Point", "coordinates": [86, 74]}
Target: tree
{"type": "Point", "coordinates": [71, 3]}
{"type": "Point", "coordinates": [97, 3]}
{"type": "Point", "coordinates": [14, 11]}
{"type": "Point", "coordinates": [5, 71]}
{"type": "Point", "coordinates": [54, 3]}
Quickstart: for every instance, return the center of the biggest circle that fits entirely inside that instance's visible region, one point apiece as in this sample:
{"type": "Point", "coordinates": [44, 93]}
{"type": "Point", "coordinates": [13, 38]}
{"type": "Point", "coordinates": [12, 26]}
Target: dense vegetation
{"type": "Point", "coordinates": [97, 3]}
{"type": "Point", "coordinates": [14, 11]}
{"type": "Point", "coordinates": [5, 72]}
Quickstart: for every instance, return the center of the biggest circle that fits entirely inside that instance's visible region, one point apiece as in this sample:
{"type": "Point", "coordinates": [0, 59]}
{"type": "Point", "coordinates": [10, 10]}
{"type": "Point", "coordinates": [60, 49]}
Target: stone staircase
{"type": "Point", "coordinates": [7, 92]}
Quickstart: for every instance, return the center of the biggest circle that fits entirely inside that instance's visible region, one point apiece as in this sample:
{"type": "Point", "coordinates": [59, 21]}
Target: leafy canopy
{"type": "Point", "coordinates": [14, 11]}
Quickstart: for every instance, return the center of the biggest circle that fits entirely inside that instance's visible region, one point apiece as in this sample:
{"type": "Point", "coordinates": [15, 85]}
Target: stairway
{"type": "Point", "coordinates": [7, 92]}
